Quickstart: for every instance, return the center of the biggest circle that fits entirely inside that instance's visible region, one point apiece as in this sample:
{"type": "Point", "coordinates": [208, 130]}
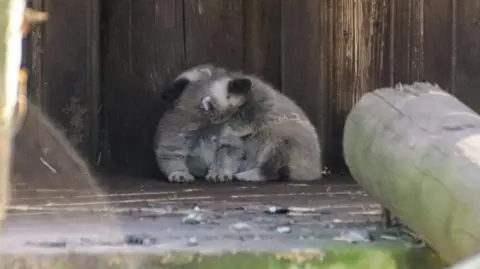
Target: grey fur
{"type": "Point", "coordinates": [187, 145]}
{"type": "Point", "coordinates": [280, 141]}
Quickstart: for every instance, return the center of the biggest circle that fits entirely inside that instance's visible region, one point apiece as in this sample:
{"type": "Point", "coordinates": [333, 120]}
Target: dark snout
{"type": "Point", "coordinates": [207, 104]}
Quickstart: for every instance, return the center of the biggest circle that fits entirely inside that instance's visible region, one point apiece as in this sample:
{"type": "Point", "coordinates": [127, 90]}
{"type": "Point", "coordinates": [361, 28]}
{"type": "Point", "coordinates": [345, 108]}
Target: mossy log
{"type": "Point", "coordinates": [416, 149]}
{"type": "Point", "coordinates": [352, 257]}
{"type": "Point", "coordinates": [11, 21]}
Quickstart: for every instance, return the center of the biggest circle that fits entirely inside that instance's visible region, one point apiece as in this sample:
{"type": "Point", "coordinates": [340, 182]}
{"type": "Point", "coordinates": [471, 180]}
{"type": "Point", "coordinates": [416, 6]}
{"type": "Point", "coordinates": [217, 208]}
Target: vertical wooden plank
{"type": "Point", "coordinates": [94, 79]}
{"type": "Point", "coordinates": [438, 42]}
{"type": "Point", "coordinates": [68, 87]}
{"type": "Point", "coordinates": [401, 41]}
{"type": "Point", "coordinates": [383, 44]}
{"type": "Point", "coordinates": [408, 41]}
{"type": "Point", "coordinates": [360, 34]}
{"type": "Point", "coordinates": [417, 54]}
{"type": "Point", "coordinates": [214, 32]}
{"type": "Point", "coordinates": [169, 51]}
{"type": "Point", "coordinates": [374, 33]}
{"type": "Point", "coordinates": [169, 60]}
{"type": "Point", "coordinates": [115, 62]}
{"type": "Point", "coordinates": [467, 79]}
{"type": "Point", "coordinates": [262, 40]}
{"type": "Point", "coordinates": [142, 50]}
{"type": "Point", "coordinates": [342, 54]}
{"type": "Point", "coordinates": [306, 65]}
{"type": "Point", "coordinates": [27, 48]}
{"type": "Point", "coordinates": [34, 58]}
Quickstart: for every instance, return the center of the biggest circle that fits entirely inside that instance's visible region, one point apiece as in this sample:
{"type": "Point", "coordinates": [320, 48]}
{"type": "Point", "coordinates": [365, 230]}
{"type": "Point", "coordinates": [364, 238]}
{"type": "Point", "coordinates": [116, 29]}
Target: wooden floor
{"type": "Point", "coordinates": [57, 202]}
{"type": "Point", "coordinates": [108, 212]}
{"type": "Point", "coordinates": [48, 175]}
{"type": "Point", "coordinates": [334, 200]}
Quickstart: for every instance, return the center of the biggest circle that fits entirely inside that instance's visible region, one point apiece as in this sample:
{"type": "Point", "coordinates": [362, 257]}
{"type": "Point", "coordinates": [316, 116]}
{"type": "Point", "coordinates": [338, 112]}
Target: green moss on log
{"type": "Point", "coordinates": [354, 257]}
{"type": "Point", "coordinates": [411, 148]}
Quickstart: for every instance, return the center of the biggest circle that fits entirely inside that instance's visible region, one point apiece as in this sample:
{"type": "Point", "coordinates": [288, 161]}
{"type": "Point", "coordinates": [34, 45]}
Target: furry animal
{"type": "Point", "coordinates": [187, 144]}
{"type": "Point", "coordinates": [280, 141]}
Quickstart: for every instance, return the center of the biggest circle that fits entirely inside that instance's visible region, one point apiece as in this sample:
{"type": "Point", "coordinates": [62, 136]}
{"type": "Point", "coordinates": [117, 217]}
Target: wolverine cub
{"type": "Point", "coordinates": [187, 143]}
{"type": "Point", "coordinates": [280, 141]}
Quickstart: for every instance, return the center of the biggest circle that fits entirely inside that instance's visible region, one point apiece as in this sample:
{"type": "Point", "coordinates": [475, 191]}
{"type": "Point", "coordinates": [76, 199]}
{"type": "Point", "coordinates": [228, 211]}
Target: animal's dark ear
{"type": "Point", "coordinates": [175, 90]}
{"type": "Point", "coordinates": [240, 86]}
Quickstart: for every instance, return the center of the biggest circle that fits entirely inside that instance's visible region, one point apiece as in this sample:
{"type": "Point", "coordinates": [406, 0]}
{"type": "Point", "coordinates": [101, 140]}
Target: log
{"type": "Point", "coordinates": [10, 58]}
{"type": "Point", "coordinates": [471, 263]}
{"type": "Point", "coordinates": [416, 149]}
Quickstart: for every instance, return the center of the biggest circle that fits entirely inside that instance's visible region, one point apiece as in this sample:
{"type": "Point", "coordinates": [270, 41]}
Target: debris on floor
{"type": "Point", "coordinates": [355, 236]}
{"type": "Point", "coordinates": [143, 240]}
{"type": "Point", "coordinates": [192, 241]}
{"type": "Point", "coordinates": [241, 226]}
{"type": "Point", "coordinates": [192, 219]}
{"type": "Point", "coordinates": [284, 229]}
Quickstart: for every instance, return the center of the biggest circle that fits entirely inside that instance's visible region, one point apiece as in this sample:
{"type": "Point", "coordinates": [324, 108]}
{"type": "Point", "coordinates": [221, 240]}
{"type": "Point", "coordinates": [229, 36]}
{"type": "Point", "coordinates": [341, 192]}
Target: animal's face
{"type": "Point", "coordinates": [224, 96]}
{"type": "Point", "coordinates": [198, 73]}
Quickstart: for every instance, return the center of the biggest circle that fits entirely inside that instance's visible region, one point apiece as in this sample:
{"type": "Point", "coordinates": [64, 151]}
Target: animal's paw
{"type": "Point", "coordinates": [180, 177]}
{"type": "Point", "coordinates": [219, 176]}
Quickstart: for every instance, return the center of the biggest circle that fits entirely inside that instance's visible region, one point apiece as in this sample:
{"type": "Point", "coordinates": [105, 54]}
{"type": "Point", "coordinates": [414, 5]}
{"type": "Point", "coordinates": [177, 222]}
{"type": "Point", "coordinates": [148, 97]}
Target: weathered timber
{"type": "Point", "coordinates": [466, 55]}
{"type": "Point", "coordinates": [415, 148]}
{"type": "Point", "coordinates": [342, 54]}
{"type": "Point", "coordinates": [214, 32]}
{"type": "Point", "coordinates": [68, 82]}
{"type": "Point", "coordinates": [408, 40]}
{"type": "Point", "coordinates": [262, 37]}
{"type": "Point", "coordinates": [142, 50]}
{"type": "Point", "coordinates": [437, 61]}
{"type": "Point", "coordinates": [10, 58]}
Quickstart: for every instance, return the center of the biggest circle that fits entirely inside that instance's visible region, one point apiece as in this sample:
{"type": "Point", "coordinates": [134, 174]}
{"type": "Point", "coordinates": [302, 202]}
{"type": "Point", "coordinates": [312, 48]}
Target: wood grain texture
{"type": "Point", "coordinates": [467, 53]}
{"type": "Point", "coordinates": [305, 68]}
{"type": "Point", "coordinates": [438, 42]}
{"type": "Point", "coordinates": [262, 39]}
{"type": "Point", "coordinates": [323, 54]}
{"type": "Point", "coordinates": [417, 40]}
{"type": "Point", "coordinates": [142, 50]}
{"type": "Point", "coordinates": [214, 32]}
{"type": "Point", "coordinates": [408, 41]}
{"type": "Point", "coordinates": [33, 56]}
{"type": "Point", "coordinates": [403, 145]}
{"type": "Point", "coordinates": [332, 54]}
{"type": "Point", "coordinates": [66, 88]}
{"type": "Point", "coordinates": [360, 33]}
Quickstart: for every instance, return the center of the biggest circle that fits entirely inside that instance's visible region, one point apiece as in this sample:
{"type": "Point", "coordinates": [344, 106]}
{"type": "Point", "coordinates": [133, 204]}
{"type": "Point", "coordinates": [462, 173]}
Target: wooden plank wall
{"type": "Point", "coordinates": [142, 48]}
{"type": "Point", "coordinates": [324, 54]}
{"type": "Point", "coordinates": [63, 59]}
{"type": "Point", "coordinates": [147, 43]}
{"type": "Point", "coordinates": [333, 52]}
